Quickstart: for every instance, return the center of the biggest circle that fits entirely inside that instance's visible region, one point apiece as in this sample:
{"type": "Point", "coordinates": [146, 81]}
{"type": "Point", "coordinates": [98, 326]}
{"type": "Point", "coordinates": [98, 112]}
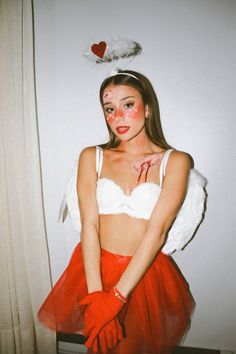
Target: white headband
{"type": "Point", "coordinates": [128, 74]}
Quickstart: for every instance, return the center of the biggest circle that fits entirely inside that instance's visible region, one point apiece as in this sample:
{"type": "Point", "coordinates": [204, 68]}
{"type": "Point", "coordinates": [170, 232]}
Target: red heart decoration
{"type": "Point", "coordinates": [99, 49]}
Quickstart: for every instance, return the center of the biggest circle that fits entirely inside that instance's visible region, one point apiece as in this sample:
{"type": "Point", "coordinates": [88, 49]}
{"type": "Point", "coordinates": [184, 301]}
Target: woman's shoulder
{"type": "Point", "coordinates": [87, 156]}
{"type": "Point", "coordinates": [180, 159]}
{"type": "Point", "coordinates": [88, 152]}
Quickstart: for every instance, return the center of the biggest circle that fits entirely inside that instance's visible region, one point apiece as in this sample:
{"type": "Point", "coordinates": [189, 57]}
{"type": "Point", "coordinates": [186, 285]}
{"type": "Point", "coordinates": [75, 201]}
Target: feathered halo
{"type": "Point", "coordinates": [116, 52]}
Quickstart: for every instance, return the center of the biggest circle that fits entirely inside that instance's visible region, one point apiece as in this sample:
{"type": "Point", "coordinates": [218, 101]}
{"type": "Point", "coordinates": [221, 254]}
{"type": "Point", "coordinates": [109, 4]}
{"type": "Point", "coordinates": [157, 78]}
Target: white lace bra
{"type": "Point", "coordinates": [112, 199]}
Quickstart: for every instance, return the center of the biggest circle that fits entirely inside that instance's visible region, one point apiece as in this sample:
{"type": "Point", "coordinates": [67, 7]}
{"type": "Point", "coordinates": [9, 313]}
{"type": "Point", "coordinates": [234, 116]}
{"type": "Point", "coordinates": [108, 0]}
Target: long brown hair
{"type": "Point", "coordinates": [144, 87]}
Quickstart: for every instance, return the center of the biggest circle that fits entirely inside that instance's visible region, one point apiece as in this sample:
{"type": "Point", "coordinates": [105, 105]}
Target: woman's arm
{"type": "Point", "coordinates": [164, 213]}
{"type": "Point", "coordinates": [86, 189]}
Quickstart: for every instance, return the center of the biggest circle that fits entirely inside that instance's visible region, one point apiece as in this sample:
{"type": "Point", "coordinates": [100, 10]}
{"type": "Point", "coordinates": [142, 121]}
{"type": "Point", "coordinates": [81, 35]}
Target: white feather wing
{"type": "Point", "coordinates": [190, 214]}
{"type": "Point", "coordinates": [70, 202]}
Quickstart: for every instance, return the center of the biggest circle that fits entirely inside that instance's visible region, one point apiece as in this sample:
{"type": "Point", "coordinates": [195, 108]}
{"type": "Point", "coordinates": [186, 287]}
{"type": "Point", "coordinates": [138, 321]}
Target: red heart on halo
{"type": "Point", "coordinates": [99, 49]}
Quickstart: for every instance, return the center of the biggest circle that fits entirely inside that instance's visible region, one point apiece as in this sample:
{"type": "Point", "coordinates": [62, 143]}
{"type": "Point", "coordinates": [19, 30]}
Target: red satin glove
{"type": "Point", "coordinates": [101, 308]}
{"type": "Point", "coordinates": [108, 337]}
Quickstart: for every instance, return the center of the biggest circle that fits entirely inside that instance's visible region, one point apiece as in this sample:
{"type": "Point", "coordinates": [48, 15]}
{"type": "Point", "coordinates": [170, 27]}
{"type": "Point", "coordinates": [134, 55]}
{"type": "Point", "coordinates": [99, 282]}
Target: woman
{"type": "Point", "coordinates": [126, 295]}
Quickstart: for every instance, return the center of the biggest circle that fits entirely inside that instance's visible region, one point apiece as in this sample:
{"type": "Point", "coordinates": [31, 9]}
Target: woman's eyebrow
{"type": "Point", "coordinates": [121, 99]}
{"type": "Point", "coordinates": [124, 98]}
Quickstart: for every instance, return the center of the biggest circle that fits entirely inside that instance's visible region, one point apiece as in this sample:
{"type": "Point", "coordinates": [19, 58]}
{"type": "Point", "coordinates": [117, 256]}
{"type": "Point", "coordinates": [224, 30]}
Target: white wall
{"type": "Point", "coordinates": [189, 55]}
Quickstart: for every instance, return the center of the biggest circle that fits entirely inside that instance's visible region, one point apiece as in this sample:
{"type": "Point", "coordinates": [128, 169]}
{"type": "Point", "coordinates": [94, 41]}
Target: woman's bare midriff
{"type": "Point", "coordinates": [121, 234]}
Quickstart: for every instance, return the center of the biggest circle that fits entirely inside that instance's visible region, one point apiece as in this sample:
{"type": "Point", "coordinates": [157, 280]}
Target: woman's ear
{"type": "Point", "coordinates": [146, 111]}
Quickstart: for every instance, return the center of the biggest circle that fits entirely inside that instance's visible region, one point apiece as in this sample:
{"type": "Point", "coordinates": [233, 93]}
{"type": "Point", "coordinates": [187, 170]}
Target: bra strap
{"type": "Point", "coordinates": [163, 165]}
{"type": "Point", "coordinates": [99, 160]}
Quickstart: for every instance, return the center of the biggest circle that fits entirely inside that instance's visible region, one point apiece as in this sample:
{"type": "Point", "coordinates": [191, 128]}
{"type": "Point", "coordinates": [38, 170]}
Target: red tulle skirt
{"type": "Point", "coordinates": [155, 318]}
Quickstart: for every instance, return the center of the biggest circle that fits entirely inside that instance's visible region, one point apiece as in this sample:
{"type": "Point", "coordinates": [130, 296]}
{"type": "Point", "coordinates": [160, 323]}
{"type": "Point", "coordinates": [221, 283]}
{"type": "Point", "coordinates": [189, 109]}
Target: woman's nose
{"type": "Point", "coordinates": [119, 115]}
{"type": "Point", "coordinates": [119, 118]}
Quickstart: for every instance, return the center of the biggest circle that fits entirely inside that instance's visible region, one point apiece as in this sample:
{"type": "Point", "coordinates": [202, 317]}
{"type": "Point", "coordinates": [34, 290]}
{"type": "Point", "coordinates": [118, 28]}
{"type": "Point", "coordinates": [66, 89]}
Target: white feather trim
{"type": "Point", "coordinates": [117, 48]}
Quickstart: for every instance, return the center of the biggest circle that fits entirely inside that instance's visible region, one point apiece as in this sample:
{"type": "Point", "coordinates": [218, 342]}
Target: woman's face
{"type": "Point", "coordinates": [124, 111]}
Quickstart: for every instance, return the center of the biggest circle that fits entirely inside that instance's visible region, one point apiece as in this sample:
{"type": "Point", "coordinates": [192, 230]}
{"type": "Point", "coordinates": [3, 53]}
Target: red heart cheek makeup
{"type": "Point", "coordinates": [131, 113]}
{"type": "Point", "coordinates": [110, 117]}
{"type": "Point", "coordinates": [134, 112]}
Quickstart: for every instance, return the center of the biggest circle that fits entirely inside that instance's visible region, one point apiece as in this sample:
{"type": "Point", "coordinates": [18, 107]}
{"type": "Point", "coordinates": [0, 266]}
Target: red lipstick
{"type": "Point", "coordinates": [122, 129]}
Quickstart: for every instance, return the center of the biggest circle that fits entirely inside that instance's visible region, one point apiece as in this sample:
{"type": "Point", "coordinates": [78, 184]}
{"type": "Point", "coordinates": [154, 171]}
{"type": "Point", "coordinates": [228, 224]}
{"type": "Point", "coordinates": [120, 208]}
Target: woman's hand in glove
{"type": "Point", "coordinates": [101, 308]}
{"type": "Point", "coordinates": [108, 337]}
